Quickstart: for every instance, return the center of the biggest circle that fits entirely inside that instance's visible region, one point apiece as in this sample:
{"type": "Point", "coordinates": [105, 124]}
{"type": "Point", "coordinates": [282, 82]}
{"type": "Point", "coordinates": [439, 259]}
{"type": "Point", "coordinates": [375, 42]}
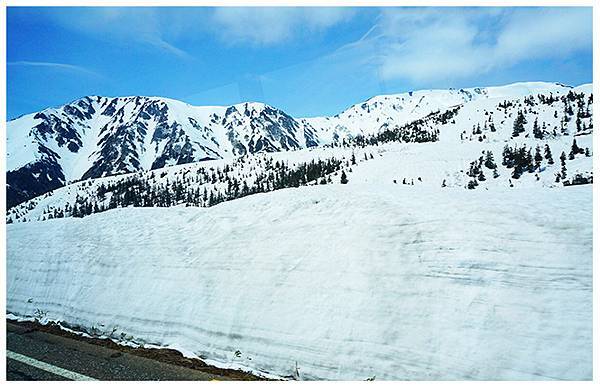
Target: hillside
{"type": "Point", "coordinates": [426, 236]}
{"type": "Point", "coordinates": [101, 136]}
{"type": "Point", "coordinates": [473, 145]}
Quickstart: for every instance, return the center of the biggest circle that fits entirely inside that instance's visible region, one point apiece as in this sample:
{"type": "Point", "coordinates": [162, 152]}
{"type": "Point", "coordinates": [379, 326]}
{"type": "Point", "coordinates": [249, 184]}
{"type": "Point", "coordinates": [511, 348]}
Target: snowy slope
{"type": "Point", "coordinates": [403, 273]}
{"type": "Point", "coordinates": [348, 281]}
{"type": "Point", "coordinates": [245, 169]}
{"type": "Point", "coordinates": [444, 162]}
{"type": "Point", "coordinates": [100, 136]}
{"type": "Point", "coordinates": [397, 109]}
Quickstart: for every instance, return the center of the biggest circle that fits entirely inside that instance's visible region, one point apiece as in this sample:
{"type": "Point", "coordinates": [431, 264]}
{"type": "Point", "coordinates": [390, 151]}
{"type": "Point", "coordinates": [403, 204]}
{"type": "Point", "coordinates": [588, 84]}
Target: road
{"type": "Point", "coordinates": [36, 354]}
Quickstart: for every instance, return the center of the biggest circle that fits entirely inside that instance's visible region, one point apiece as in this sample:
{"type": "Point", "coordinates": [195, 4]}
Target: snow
{"type": "Point", "coordinates": [20, 148]}
{"type": "Point", "coordinates": [349, 281]}
{"type": "Point", "coordinates": [366, 118]}
{"type": "Point", "coordinates": [372, 278]}
{"type": "Point", "coordinates": [446, 160]}
{"type": "Point", "coordinates": [362, 118]}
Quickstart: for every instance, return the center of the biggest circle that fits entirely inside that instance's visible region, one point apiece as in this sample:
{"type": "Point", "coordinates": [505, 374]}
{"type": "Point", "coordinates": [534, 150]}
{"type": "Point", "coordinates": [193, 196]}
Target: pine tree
{"type": "Point", "coordinates": [489, 160]}
{"type": "Point", "coordinates": [548, 155]}
{"type": "Point", "coordinates": [537, 133]}
{"type": "Point", "coordinates": [538, 157]}
{"type": "Point", "coordinates": [574, 149]}
{"type": "Point", "coordinates": [344, 178]}
{"type": "Point", "coordinates": [517, 171]}
{"type": "Point", "coordinates": [481, 177]}
{"type": "Point", "coordinates": [518, 126]}
{"type": "Point", "coordinates": [506, 156]}
{"type": "Point", "coordinates": [563, 165]}
{"type": "Point", "coordinates": [529, 161]}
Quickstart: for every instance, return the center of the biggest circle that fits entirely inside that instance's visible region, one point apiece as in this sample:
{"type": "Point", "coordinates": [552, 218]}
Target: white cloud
{"type": "Point", "coordinates": [413, 44]}
{"type": "Point", "coordinates": [269, 26]}
{"type": "Point", "coordinates": [150, 27]}
{"type": "Point", "coordinates": [161, 27]}
{"type": "Point", "coordinates": [439, 44]}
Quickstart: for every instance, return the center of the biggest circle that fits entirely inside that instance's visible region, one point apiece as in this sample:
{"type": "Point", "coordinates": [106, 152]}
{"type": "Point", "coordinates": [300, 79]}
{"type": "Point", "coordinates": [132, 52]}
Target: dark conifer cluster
{"type": "Point", "coordinates": [575, 150]}
{"type": "Point", "coordinates": [521, 159]}
{"type": "Point", "coordinates": [409, 133]}
{"type": "Point", "coordinates": [519, 124]}
{"type": "Point", "coordinates": [418, 131]}
{"type": "Point", "coordinates": [579, 179]}
{"type": "Point", "coordinates": [570, 102]}
{"type": "Point", "coordinates": [205, 187]}
{"type": "Point", "coordinates": [476, 171]}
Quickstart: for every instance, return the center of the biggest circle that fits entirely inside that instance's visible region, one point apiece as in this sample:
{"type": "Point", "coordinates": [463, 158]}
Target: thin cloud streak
{"type": "Point", "coordinates": [151, 27]}
{"type": "Point", "coordinates": [55, 65]}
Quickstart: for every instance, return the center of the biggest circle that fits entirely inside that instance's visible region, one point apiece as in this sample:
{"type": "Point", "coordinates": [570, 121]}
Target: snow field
{"type": "Point", "coordinates": [349, 281]}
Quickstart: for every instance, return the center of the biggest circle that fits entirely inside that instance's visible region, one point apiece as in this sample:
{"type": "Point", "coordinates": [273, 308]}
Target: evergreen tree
{"type": "Point", "coordinates": [489, 160]}
{"type": "Point", "coordinates": [537, 133]}
{"type": "Point", "coordinates": [538, 157]}
{"type": "Point", "coordinates": [563, 165]}
{"type": "Point", "coordinates": [496, 174]}
{"type": "Point", "coordinates": [519, 124]}
{"type": "Point", "coordinates": [548, 155]}
{"type": "Point", "coordinates": [517, 171]}
{"type": "Point", "coordinates": [344, 178]}
{"type": "Point", "coordinates": [507, 156]}
{"type": "Point", "coordinates": [574, 150]}
{"type": "Point", "coordinates": [481, 177]}
{"type": "Point", "coordinates": [529, 165]}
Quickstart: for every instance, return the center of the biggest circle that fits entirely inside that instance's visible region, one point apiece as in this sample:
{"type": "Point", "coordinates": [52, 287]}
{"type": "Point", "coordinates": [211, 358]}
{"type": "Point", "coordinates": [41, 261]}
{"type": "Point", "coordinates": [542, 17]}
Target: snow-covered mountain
{"type": "Point", "coordinates": [397, 109]}
{"type": "Point", "coordinates": [468, 145]}
{"type": "Point", "coordinates": [446, 235]}
{"type": "Point", "coordinates": [99, 136]}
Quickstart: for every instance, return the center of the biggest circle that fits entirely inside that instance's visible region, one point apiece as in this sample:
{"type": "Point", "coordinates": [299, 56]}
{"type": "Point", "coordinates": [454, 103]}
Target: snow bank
{"type": "Point", "coordinates": [348, 281]}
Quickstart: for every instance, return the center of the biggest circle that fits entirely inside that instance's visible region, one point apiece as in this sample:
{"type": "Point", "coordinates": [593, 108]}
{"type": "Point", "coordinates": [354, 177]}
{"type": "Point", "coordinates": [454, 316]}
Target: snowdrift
{"type": "Point", "coordinates": [349, 282]}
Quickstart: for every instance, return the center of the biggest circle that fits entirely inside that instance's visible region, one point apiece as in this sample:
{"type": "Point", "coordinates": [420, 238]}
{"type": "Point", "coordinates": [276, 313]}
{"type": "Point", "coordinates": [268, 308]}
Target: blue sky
{"type": "Point", "coordinates": [306, 61]}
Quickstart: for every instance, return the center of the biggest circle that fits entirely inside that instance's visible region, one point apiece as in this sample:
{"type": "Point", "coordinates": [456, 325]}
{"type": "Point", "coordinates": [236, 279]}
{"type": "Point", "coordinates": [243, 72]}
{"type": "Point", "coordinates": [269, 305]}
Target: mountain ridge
{"type": "Point", "coordinates": [97, 136]}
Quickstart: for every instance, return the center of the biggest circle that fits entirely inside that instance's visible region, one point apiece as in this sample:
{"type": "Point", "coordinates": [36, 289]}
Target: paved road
{"type": "Point", "coordinates": [38, 355]}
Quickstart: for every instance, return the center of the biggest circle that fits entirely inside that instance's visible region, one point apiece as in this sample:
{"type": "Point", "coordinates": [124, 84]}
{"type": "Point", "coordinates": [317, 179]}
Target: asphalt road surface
{"type": "Point", "coordinates": [37, 355]}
